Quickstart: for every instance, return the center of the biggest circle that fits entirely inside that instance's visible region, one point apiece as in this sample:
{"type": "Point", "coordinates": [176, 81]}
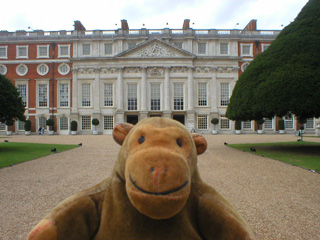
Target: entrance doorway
{"type": "Point", "coordinates": [133, 119]}
{"type": "Point", "coordinates": [179, 118]}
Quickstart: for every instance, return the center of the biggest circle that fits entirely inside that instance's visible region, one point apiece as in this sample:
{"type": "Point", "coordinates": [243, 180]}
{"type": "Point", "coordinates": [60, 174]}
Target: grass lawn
{"type": "Point", "coordinates": [13, 153]}
{"type": "Point", "coordinates": [303, 154]}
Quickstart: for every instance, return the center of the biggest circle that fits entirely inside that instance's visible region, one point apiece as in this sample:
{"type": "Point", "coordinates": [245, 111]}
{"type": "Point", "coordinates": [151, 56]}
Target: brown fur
{"type": "Point", "coordinates": [154, 192]}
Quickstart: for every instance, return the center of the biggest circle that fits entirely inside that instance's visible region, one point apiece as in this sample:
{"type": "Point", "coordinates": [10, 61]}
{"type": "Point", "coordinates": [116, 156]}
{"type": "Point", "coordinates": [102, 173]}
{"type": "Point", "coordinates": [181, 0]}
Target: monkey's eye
{"type": "Point", "coordinates": [179, 142]}
{"type": "Point", "coordinates": [141, 139]}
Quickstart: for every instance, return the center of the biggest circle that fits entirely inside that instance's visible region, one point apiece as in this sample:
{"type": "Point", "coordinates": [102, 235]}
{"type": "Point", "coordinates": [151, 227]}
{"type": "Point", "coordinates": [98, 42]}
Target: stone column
{"type": "Point", "coordinates": [167, 98]}
{"type": "Point", "coordinates": [191, 117]}
{"type": "Point", "coordinates": [119, 118]}
{"type": "Point", "coordinates": [96, 93]}
{"type": "Point", "coordinates": [143, 88]}
{"type": "Point", "coordinates": [213, 93]}
{"type": "Point", "coordinates": [75, 95]}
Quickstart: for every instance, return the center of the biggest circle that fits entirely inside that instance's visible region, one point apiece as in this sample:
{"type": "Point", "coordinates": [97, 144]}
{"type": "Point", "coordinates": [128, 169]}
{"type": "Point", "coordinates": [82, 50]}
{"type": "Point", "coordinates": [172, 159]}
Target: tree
{"type": "Point", "coordinates": [284, 78]}
{"type": "Point", "coordinates": [11, 106]}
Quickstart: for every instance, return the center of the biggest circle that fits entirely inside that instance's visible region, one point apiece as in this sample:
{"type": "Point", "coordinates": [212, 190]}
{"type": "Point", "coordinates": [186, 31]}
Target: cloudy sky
{"type": "Point", "coordinates": [105, 14]}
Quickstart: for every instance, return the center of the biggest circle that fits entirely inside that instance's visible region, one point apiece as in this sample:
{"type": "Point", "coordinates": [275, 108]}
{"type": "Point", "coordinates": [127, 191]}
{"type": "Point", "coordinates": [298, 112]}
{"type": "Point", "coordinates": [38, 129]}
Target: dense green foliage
{"type": "Point", "coordinates": [284, 78]}
{"type": "Point", "coordinates": [303, 154]}
{"type": "Point", "coordinates": [27, 125]}
{"type": "Point", "coordinates": [74, 125]}
{"type": "Point", "coordinates": [238, 125]}
{"type": "Point", "coordinates": [281, 124]}
{"type": "Point", "coordinates": [214, 121]}
{"type": "Point", "coordinates": [95, 122]}
{"type": "Point", "coordinates": [13, 153]}
{"type": "Point", "coordinates": [11, 106]}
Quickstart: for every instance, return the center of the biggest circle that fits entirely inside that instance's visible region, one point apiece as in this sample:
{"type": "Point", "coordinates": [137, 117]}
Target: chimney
{"type": "Point", "coordinates": [124, 25]}
{"type": "Point", "coordinates": [78, 26]}
{"type": "Point", "coordinates": [251, 26]}
{"type": "Point", "coordinates": [186, 24]}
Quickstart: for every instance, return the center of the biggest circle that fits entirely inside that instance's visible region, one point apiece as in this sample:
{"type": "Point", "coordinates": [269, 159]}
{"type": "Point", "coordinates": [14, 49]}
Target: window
{"type": "Point", "coordinates": [22, 51]}
{"type": "Point", "coordinates": [2, 126]}
{"type": "Point", "coordinates": [3, 69]}
{"type": "Point", "coordinates": [288, 122]}
{"type": "Point", "coordinates": [42, 69]}
{"type": "Point", "coordinates": [202, 122]}
{"type": "Point", "coordinates": [132, 96]}
{"type": "Point", "coordinates": [155, 97]}
{"type": "Point", "coordinates": [64, 69]}
{"type": "Point", "coordinates": [43, 95]}
{"type": "Point", "coordinates": [224, 122]}
{"type": "Point", "coordinates": [310, 123]}
{"type": "Point", "coordinates": [42, 122]}
{"type": "Point", "coordinates": [22, 70]}
{"type": "Point", "coordinates": [86, 49]}
{"type": "Point", "coordinates": [86, 122]}
{"type": "Point", "coordinates": [3, 52]}
{"type": "Point", "coordinates": [64, 123]}
{"type": "Point", "coordinates": [20, 125]}
{"type": "Point", "coordinates": [22, 89]}
{"type": "Point", "coordinates": [178, 44]}
{"type": "Point", "coordinates": [246, 49]}
{"type": "Point", "coordinates": [108, 94]}
{"type": "Point", "coordinates": [246, 125]}
{"type": "Point", "coordinates": [108, 49]}
{"type": "Point", "coordinates": [64, 51]}
{"type": "Point", "coordinates": [264, 47]}
{"type": "Point", "coordinates": [268, 123]}
{"type": "Point", "coordinates": [244, 66]}
{"type": "Point", "coordinates": [131, 45]}
{"type": "Point", "coordinates": [178, 96]}
{"type": "Point", "coordinates": [64, 95]}
{"type": "Point", "coordinates": [224, 48]}
{"type": "Point", "coordinates": [42, 51]}
{"type": "Point", "coordinates": [224, 94]}
{"type": "Point", "coordinates": [108, 122]}
{"type": "Point", "coordinates": [86, 94]}
{"type": "Point", "coordinates": [202, 48]}
{"type": "Point", "coordinates": [202, 94]}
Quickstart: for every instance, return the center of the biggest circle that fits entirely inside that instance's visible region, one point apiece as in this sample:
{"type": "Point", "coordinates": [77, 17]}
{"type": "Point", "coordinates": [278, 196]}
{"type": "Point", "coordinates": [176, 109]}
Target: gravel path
{"type": "Point", "coordinates": [279, 201]}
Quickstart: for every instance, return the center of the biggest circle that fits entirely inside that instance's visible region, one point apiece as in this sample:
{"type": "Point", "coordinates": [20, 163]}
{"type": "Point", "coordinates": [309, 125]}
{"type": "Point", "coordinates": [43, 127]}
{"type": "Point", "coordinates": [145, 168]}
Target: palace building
{"type": "Point", "coordinates": [126, 75]}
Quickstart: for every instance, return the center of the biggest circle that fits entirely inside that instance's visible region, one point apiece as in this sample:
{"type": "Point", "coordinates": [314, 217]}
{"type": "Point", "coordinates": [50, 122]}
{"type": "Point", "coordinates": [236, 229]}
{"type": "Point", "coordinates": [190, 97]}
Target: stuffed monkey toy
{"type": "Point", "coordinates": [154, 192]}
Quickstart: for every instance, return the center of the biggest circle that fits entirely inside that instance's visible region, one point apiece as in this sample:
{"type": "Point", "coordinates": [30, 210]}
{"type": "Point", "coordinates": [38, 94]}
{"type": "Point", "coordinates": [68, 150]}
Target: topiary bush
{"type": "Point", "coordinates": [215, 121]}
{"type": "Point", "coordinates": [74, 126]}
{"type": "Point", "coordinates": [27, 125]}
{"type": "Point", "coordinates": [95, 122]}
{"type": "Point", "coordinates": [238, 125]}
{"type": "Point", "coordinates": [281, 124]}
{"type": "Point", "coordinates": [50, 123]}
{"type": "Point", "coordinates": [9, 122]}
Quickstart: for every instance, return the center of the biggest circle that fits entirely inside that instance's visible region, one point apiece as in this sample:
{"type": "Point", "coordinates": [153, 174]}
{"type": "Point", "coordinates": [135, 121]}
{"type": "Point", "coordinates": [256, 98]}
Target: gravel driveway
{"type": "Point", "coordinates": [279, 201]}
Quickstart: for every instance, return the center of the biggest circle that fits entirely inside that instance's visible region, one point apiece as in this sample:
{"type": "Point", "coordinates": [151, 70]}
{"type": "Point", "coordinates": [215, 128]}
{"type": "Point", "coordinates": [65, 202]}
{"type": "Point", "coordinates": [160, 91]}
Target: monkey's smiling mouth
{"type": "Point", "coordinates": [159, 193]}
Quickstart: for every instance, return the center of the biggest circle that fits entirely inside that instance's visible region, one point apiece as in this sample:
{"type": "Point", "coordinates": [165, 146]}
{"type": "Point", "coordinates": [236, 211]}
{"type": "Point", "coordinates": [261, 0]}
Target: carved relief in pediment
{"type": "Point", "coordinates": [155, 71]}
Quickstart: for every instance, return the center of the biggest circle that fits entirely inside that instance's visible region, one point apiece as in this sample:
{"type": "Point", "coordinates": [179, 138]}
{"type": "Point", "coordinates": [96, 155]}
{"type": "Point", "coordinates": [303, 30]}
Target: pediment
{"type": "Point", "coordinates": [155, 48]}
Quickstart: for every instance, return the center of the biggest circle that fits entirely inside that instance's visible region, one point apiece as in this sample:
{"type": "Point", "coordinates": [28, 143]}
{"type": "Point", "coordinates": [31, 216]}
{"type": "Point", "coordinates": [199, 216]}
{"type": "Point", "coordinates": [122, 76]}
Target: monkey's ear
{"type": "Point", "coordinates": [200, 142]}
{"type": "Point", "coordinates": [120, 132]}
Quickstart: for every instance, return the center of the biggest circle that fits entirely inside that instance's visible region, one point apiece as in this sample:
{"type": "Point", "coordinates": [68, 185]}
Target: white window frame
{"type": "Point", "coordinates": [309, 122]}
{"type": "Point", "coordinates": [17, 51]}
{"type": "Point", "coordinates": [202, 94]}
{"type": "Point", "coordinates": [174, 96]}
{"type": "Point", "coordinates": [82, 49]}
{"type": "Point", "coordinates": [244, 125]}
{"type": "Point", "coordinates": [221, 94]}
{"type": "Point", "coordinates": [202, 46]}
{"type": "Point", "coordinates": [60, 55]}
{"type": "Point", "coordinates": [250, 54]}
{"type": "Point", "coordinates": [23, 83]}
{"type": "Point", "coordinates": [105, 97]}
{"type": "Point", "coordinates": [44, 122]}
{"type": "Point", "coordinates": [82, 97]}
{"type": "Point", "coordinates": [22, 73]}
{"type": "Point", "coordinates": [20, 125]}
{"type": "Point", "coordinates": [225, 123]}
{"type": "Point", "coordinates": [106, 125]}
{"type": "Point", "coordinates": [41, 66]}
{"type": "Point", "coordinates": [64, 65]}
{"type": "Point", "coordinates": [244, 66]}
{"type": "Point", "coordinates": [43, 82]}
{"type": "Point", "coordinates": [220, 53]}
{"type": "Point", "coordinates": [263, 45]}
{"type": "Point", "coordinates": [104, 49]}
{"type": "Point", "coordinates": [3, 126]}
{"type": "Point", "coordinates": [289, 122]}
{"type": "Point", "coordinates": [5, 69]}
{"type": "Point", "coordinates": [89, 125]}
{"type": "Point", "coordinates": [267, 122]}
{"type": "Point", "coordinates": [202, 125]}
{"type": "Point", "coordinates": [63, 82]}
{"type": "Point", "coordinates": [137, 96]}
{"type": "Point", "coordinates": [6, 52]}
{"type": "Point", "coordinates": [154, 98]}
{"type": "Point", "coordinates": [47, 51]}
{"type": "Point", "coordinates": [63, 123]}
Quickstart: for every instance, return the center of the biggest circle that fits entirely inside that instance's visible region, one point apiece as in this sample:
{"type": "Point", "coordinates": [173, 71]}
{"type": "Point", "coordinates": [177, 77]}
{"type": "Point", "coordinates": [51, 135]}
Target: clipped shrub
{"type": "Point", "coordinates": [238, 125]}
{"type": "Point", "coordinates": [281, 124]}
{"type": "Point", "coordinates": [215, 121]}
{"type": "Point", "coordinates": [74, 126]}
{"type": "Point", "coordinates": [27, 125]}
{"type": "Point", "coordinates": [9, 122]}
{"type": "Point", "coordinates": [95, 122]}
